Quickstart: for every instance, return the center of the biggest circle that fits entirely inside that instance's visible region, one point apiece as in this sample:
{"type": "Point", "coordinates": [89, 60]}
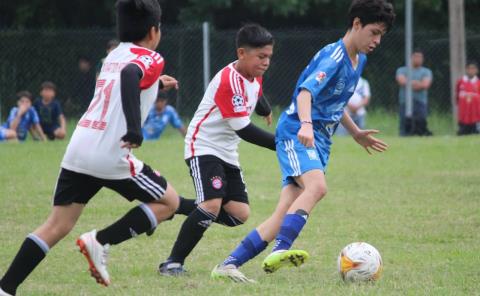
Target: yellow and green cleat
{"type": "Point", "coordinates": [282, 258]}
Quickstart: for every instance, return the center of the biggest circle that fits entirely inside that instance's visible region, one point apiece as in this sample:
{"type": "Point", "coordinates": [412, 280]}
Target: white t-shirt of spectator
{"type": "Point", "coordinates": [226, 107]}
{"type": "Point", "coordinates": [362, 90]}
{"type": "Point", "coordinates": [94, 148]}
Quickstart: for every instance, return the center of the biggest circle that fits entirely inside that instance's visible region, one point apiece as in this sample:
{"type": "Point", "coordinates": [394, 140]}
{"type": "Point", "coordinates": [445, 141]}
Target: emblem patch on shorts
{"type": "Point", "coordinates": [217, 182]}
{"type": "Point", "coordinates": [312, 154]}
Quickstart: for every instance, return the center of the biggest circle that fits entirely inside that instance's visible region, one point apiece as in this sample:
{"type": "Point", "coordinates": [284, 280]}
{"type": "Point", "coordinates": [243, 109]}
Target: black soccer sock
{"type": "Point", "coordinates": [186, 206]}
{"type": "Point", "coordinates": [31, 253]}
{"type": "Point", "coordinates": [137, 221]}
{"type": "Point", "coordinates": [224, 218]}
{"type": "Point", "coordinates": [190, 234]}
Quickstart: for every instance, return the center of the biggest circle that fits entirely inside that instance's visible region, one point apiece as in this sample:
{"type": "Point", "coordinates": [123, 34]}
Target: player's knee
{"type": "Point", "coordinates": [318, 191]}
{"type": "Point", "coordinates": [212, 206]}
{"type": "Point", "coordinates": [11, 134]}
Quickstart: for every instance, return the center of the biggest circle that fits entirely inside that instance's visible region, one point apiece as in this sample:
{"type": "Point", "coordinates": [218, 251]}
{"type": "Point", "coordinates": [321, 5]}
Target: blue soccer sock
{"type": "Point", "coordinates": [251, 246]}
{"type": "Point", "coordinates": [291, 226]}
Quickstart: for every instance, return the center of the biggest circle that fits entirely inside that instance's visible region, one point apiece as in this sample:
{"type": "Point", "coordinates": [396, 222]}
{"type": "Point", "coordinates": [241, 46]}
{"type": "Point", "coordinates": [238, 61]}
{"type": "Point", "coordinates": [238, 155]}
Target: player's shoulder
{"type": "Point", "coordinates": [170, 109]}
{"type": "Point", "coordinates": [228, 78]}
{"type": "Point", "coordinates": [146, 58]}
{"type": "Point", "coordinates": [330, 56]}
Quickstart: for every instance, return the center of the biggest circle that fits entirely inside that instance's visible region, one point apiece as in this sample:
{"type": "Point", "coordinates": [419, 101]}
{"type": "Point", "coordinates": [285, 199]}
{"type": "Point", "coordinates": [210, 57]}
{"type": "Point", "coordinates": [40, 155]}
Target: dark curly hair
{"type": "Point", "coordinates": [371, 12]}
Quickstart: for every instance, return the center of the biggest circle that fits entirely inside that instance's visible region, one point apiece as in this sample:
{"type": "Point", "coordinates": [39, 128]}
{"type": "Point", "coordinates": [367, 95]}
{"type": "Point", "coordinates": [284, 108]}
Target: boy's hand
{"type": "Point", "coordinates": [169, 82]}
{"type": "Point", "coordinates": [305, 135]}
{"type": "Point", "coordinates": [269, 119]}
{"type": "Point", "coordinates": [131, 140]}
{"type": "Point", "coordinates": [366, 140]}
{"type": "Point", "coordinates": [22, 109]}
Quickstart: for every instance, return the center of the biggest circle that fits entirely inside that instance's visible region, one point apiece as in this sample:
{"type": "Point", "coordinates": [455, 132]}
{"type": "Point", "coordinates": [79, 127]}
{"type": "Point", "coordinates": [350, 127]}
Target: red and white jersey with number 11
{"type": "Point", "coordinates": [94, 148]}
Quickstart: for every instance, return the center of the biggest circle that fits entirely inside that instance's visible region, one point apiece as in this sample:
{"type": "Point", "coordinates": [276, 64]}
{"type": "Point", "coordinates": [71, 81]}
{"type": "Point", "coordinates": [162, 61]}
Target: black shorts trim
{"type": "Point", "coordinates": [72, 187]}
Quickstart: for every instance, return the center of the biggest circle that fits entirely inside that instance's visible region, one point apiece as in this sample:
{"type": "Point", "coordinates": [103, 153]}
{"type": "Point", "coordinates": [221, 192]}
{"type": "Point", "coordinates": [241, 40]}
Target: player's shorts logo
{"type": "Point", "coordinates": [312, 154]}
{"type": "Point", "coordinates": [217, 182]}
{"type": "Point", "coordinates": [238, 103]}
{"type": "Point", "coordinates": [320, 77]}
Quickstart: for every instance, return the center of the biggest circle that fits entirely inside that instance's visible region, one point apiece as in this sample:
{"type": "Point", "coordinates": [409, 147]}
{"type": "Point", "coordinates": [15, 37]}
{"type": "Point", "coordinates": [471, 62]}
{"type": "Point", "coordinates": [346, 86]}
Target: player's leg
{"type": "Point", "coordinates": [72, 192]}
{"type": "Point", "coordinates": [208, 176]}
{"type": "Point", "coordinates": [257, 240]}
{"type": "Point", "coordinates": [315, 189]}
{"type": "Point", "coordinates": [7, 134]}
{"type": "Point", "coordinates": [235, 209]}
{"type": "Point", "coordinates": [306, 166]}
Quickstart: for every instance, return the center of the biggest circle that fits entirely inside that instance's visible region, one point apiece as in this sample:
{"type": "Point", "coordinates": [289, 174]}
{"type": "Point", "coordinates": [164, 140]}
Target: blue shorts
{"type": "Point", "coordinates": [295, 159]}
{"type": "Point", "coordinates": [3, 133]}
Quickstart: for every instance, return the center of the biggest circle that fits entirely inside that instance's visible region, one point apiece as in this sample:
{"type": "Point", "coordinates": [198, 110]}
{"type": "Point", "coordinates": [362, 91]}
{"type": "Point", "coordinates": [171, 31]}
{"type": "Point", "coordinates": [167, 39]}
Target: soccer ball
{"type": "Point", "coordinates": [360, 262]}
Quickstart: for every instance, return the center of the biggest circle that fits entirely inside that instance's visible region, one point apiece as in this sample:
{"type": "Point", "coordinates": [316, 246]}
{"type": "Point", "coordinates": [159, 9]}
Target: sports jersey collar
{"type": "Point", "coordinates": [345, 52]}
{"type": "Point", "coordinates": [235, 70]}
{"type": "Point", "coordinates": [473, 80]}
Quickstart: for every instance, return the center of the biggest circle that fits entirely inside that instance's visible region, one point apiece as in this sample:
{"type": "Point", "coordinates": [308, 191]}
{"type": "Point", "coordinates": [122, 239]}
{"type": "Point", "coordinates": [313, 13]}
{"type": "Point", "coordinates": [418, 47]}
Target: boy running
{"type": "Point", "coordinates": [303, 138]}
{"type": "Point", "coordinates": [99, 153]}
{"type": "Point", "coordinates": [211, 144]}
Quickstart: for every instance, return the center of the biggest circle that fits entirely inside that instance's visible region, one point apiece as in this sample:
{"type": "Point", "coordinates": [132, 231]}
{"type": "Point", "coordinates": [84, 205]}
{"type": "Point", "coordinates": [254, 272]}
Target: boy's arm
{"type": "Point", "coordinates": [130, 90]}
{"type": "Point", "coordinates": [37, 132]}
{"type": "Point", "coordinates": [22, 109]}
{"type": "Point", "coordinates": [63, 123]}
{"type": "Point", "coordinates": [264, 109]}
{"type": "Point", "coordinates": [304, 106]}
{"type": "Point", "coordinates": [363, 137]}
{"type": "Point", "coordinates": [257, 136]}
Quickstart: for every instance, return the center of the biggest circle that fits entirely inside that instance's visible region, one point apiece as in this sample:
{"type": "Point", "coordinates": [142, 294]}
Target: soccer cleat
{"type": "Point", "coordinates": [282, 258]}
{"type": "Point", "coordinates": [231, 273]}
{"type": "Point", "coordinates": [3, 293]}
{"type": "Point", "coordinates": [169, 268]}
{"type": "Point", "coordinates": [97, 256]}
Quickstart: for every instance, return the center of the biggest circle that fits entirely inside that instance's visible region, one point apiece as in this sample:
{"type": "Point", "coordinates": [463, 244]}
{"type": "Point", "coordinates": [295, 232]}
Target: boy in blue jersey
{"type": "Point", "coordinates": [159, 117]}
{"type": "Point", "coordinates": [303, 138]}
{"type": "Point", "coordinates": [22, 120]}
{"type": "Point", "coordinates": [52, 120]}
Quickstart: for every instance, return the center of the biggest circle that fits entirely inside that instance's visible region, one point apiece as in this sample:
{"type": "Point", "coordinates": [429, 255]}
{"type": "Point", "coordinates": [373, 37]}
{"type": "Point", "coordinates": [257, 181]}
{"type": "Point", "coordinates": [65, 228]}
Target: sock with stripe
{"type": "Point", "coordinates": [30, 254]}
{"type": "Point", "coordinates": [137, 221]}
{"type": "Point", "coordinates": [251, 246]}
{"type": "Point", "coordinates": [190, 234]}
{"type": "Point", "coordinates": [291, 226]}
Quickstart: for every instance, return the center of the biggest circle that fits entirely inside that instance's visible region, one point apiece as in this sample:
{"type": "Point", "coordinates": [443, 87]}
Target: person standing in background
{"type": "Point", "coordinates": [468, 101]}
{"type": "Point", "coordinates": [421, 82]}
{"type": "Point", "coordinates": [356, 106]}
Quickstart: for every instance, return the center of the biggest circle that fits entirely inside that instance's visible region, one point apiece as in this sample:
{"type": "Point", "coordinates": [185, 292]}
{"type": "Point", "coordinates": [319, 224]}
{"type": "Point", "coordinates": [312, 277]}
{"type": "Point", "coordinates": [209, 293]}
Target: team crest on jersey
{"type": "Point", "coordinates": [238, 103]}
{"type": "Point", "coordinates": [146, 60]}
{"type": "Point", "coordinates": [339, 87]}
{"type": "Point", "coordinates": [217, 182]}
{"type": "Point", "coordinates": [320, 77]}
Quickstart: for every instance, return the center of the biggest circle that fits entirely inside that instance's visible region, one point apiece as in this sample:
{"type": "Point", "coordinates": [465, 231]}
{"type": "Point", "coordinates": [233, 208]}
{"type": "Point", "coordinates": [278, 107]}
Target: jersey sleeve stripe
{"type": "Point", "coordinates": [335, 52]}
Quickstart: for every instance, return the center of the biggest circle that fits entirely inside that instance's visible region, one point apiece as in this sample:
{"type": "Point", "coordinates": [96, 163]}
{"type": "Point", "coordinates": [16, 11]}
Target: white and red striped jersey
{"type": "Point", "coordinates": [94, 148]}
{"type": "Point", "coordinates": [228, 103]}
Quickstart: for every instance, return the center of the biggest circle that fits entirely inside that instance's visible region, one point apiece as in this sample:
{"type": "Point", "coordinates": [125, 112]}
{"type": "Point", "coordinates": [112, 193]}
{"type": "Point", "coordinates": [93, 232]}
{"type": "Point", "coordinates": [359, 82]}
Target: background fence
{"type": "Point", "coordinates": [29, 57]}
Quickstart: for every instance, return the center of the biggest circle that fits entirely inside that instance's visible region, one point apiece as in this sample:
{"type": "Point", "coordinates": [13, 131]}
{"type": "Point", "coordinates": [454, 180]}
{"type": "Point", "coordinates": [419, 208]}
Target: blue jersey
{"type": "Point", "coordinates": [26, 122]}
{"type": "Point", "coordinates": [331, 80]}
{"type": "Point", "coordinates": [157, 122]}
{"type": "Point", "coordinates": [49, 115]}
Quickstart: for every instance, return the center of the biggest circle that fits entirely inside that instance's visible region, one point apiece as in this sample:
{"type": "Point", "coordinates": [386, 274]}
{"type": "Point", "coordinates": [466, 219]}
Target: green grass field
{"type": "Point", "coordinates": [418, 203]}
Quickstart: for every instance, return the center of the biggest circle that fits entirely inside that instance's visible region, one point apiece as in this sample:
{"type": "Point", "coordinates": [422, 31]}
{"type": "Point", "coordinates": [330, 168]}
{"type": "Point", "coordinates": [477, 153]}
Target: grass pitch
{"type": "Point", "coordinates": [418, 204]}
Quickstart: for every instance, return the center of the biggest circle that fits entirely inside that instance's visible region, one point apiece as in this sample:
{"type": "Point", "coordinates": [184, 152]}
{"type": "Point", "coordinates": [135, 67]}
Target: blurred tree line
{"type": "Point", "coordinates": [223, 14]}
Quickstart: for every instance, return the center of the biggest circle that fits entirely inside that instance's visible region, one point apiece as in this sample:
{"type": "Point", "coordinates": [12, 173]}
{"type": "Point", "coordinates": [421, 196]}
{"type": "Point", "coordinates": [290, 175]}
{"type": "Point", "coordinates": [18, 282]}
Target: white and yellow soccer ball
{"type": "Point", "coordinates": [360, 262]}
